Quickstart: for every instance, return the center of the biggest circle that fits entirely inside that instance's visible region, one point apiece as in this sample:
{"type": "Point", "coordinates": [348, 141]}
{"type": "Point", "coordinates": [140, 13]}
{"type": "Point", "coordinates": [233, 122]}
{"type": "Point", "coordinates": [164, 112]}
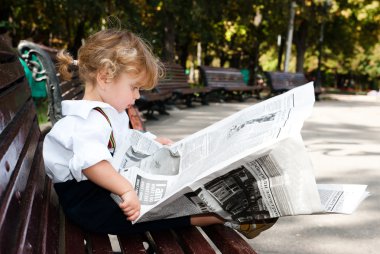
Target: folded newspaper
{"type": "Point", "coordinates": [248, 166]}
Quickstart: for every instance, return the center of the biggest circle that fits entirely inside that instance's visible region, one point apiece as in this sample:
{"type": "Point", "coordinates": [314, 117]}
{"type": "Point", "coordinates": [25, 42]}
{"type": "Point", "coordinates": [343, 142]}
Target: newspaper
{"type": "Point", "coordinates": [249, 166]}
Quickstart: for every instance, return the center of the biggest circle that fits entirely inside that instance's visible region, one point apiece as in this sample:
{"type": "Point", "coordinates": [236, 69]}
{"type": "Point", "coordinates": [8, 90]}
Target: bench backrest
{"type": "Point", "coordinates": [26, 224]}
{"type": "Point", "coordinates": [284, 81]}
{"type": "Point", "coordinates": [58, 90]}
{"type": "Point", "coordinates": [221, 77]}
{"type": "Point", "coordinates": [175, 78]}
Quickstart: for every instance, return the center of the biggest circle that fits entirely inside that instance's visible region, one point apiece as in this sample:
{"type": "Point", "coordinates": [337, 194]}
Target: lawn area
{"type": "Point", "coordinates": [42, 110]}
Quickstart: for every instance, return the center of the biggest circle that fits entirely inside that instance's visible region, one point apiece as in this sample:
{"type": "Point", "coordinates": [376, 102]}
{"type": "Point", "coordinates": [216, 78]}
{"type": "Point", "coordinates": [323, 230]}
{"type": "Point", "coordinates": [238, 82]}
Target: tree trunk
{"type": "Point", "coordinates": [280, 54]}
{"type": "Point", "coordinates": [184, 53]}
{"type": "Point", "coordinates": [300, 42]}
{"type": "Point", "coordinates": [79, 35]}
{"type": "Point", "coordinates": [169, 37]}
{"type": "Point", "coordinates": [207, 59]}
{"type": "Point", "coordinates": [253, 65]}
{"type": "Point", "coordinates": [235, 60]}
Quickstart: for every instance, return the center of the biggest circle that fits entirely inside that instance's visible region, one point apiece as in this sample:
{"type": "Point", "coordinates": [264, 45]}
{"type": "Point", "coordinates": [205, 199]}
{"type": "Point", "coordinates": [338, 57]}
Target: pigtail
{"type": "Point", "coordinates": [65, 62]}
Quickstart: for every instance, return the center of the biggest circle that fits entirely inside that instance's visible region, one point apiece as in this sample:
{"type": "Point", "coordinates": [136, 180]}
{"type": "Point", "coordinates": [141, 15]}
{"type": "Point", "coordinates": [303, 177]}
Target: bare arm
{"type": "Point", "coordinates": [104, 175]}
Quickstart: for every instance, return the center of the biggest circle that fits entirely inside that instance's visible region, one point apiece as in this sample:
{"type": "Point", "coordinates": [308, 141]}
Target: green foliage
{"type": "Point", "coordinates": [241, 33]}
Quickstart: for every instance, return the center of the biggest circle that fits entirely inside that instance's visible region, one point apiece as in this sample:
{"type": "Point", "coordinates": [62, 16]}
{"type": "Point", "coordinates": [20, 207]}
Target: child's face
{"type": "Point", "coordinates": [123, 91]}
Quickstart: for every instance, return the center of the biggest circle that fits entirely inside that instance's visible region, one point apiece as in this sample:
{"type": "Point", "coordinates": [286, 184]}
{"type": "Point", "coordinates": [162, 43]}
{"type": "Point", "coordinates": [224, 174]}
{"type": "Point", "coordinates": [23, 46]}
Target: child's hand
{"type": "Point", "coordinates": [164, 141]}
{"type": "Point", "coordinates": [131, 205]}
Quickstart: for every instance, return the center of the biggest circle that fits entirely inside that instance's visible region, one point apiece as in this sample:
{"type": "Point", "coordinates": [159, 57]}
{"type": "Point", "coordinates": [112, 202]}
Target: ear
{"type": "Point", "coordinates": [102, 79]}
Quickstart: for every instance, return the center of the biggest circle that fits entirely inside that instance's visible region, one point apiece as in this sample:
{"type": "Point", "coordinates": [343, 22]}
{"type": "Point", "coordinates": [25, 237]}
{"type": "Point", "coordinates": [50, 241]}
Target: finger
{"type": "Point", "coordinates": [134, 216]}
{"type": "Point", "coordinates": [129, 212]}
{"type": "Point", "coordinates": [123, 205]}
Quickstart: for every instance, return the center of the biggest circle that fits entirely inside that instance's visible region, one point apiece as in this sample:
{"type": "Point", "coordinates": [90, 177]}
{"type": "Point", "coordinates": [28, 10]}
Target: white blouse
{"type": "Point", "coordinates": [80, 139]}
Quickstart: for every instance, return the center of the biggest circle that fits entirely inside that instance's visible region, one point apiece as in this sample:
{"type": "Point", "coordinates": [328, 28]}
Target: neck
{"type": "Point", "coordinates": [91, 94]}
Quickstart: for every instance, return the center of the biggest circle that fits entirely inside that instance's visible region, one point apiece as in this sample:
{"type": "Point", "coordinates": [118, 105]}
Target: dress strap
{"type": "Point", "coordinates": [111, 142]}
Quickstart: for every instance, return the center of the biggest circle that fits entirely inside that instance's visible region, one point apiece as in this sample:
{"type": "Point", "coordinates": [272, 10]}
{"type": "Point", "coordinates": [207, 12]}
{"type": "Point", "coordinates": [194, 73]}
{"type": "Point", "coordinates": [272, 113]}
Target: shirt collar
{"type": "Point", "coordinates": [81, 107]}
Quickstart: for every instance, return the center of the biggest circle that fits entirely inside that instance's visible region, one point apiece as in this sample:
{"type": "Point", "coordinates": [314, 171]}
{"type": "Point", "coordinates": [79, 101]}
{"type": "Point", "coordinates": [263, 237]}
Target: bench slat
{"type": "Point", "coordinates": [227, 240]}
{"type": "Point", "coordinates": [12, 152]}
{"type": "Point", "coordinates": [135, 121]}
{"type": "Point", "coordinates": [99, 244]}
{"type": "Point", "coordinates": [74, 94]}
{"type": "Point", "coordinates": [193, 241]}
{"type": "Point", "coordinates": [34, 225]}
{"type": "Point", "coordinates": [12, 100]}
{"type": "Point", "coordinates": [10, 72]}
{"type": "Point", "coordinates": [68, 85]}
{"type": "Point", "coordinates": [50, 227]}
{"type": "Point", "coordinates": [165, 242]}
{"type": "Point", "coordinates": [132, 244]}
{"type": "Point", "coordinates": [16, 205]}
{"type": "Point", "coordinates": [74, 238]}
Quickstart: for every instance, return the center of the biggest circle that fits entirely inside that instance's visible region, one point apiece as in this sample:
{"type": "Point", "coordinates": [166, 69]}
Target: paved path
{"type": "Point", "coordinates": [343, 140]}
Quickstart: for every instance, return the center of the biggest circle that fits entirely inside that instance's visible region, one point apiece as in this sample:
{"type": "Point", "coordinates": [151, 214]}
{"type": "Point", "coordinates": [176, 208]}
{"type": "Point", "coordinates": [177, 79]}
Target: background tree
{"type": "Point", "coordinates": [241, 33]}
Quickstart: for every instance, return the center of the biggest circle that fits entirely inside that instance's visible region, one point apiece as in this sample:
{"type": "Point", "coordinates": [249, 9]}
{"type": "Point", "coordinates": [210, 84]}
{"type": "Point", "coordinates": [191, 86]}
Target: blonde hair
{"type": "Point", "coordinates": [113, 51]}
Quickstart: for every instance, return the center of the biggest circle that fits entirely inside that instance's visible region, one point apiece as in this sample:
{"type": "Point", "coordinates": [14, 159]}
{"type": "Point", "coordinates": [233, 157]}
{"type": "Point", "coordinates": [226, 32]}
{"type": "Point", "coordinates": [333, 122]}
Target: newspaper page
{"type": "Point", "coordinates": [250, 165]}
{"type": "Point", "coordinates": [342, 198]}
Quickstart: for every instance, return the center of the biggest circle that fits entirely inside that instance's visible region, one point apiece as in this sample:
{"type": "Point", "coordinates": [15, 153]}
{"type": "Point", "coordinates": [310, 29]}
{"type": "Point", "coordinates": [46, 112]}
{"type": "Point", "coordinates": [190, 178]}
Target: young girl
{"type": "Point", "coordinates": [114, 65]}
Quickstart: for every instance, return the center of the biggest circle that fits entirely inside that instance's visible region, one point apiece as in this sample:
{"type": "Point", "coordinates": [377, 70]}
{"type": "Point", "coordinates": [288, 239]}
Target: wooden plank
{"type": "Point", "coordinates": [16, 206]}
{"type": "Point", "coordinates": [227, 240]}
{"type": "Point", "coordinates": [12, 152]}
{"type": "Point", "coordinates": [32, 223]}
{"type": "Point", "coordinates": [6, 54]}
{"type": "Point", "coordinates": [193, 242]}
{"type": "Point", "coordinates": [135, 119]}
{"type": "Point", "coordinates": [164, 242]}
{"type": "Point", "coordinates": [10, 72]}
{"type": "Point", "coordinates": [99, 243]}
{"type": "Point", "coordinates": [74, 238]}
{"type": "Point", "coordinates": [73, 94]}
{"type": "Point", "coordinates": [12, 100]}
{"type": "Point", "coordinates": [69, 85]}
{"type": "Point", "coordinates": [132, 244]}
{"type": "Point", "coordinates": [50, 227]}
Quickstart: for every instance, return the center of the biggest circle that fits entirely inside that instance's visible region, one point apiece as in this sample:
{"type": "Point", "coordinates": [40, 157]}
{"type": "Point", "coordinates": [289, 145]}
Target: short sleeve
{"type": "Point", "coordinates": [89, 141]}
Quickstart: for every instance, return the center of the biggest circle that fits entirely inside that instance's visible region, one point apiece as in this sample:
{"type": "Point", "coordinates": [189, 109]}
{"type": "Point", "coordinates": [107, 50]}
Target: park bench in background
{"type": "Point", "coordinates": [176, 82]}
{"type": "Point", "coordinates": [30, 218]}
{"type": "Point", "coordinates": [228, 83]}
{"type": "Point", "coordinates": [280, 82]}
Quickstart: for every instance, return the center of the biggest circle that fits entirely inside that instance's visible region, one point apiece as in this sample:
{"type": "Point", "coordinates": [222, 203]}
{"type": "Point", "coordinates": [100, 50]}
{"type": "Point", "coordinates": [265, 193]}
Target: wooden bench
{"type": "Point", "coordinates": [176, 82]}
{"type": "Point", "coordinates": [153, 100]}
{"type": "Point", "coordinates": [227, 82]}
{"type": "Point", "coordinates": [280, 82]}
{"type": "Point", "coordinates": [31, 220]}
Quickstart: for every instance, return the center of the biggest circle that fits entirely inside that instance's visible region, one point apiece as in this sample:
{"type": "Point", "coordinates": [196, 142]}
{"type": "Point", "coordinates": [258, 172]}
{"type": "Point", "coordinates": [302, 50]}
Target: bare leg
{"type": "Point", "coordinates": [206, 219]}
